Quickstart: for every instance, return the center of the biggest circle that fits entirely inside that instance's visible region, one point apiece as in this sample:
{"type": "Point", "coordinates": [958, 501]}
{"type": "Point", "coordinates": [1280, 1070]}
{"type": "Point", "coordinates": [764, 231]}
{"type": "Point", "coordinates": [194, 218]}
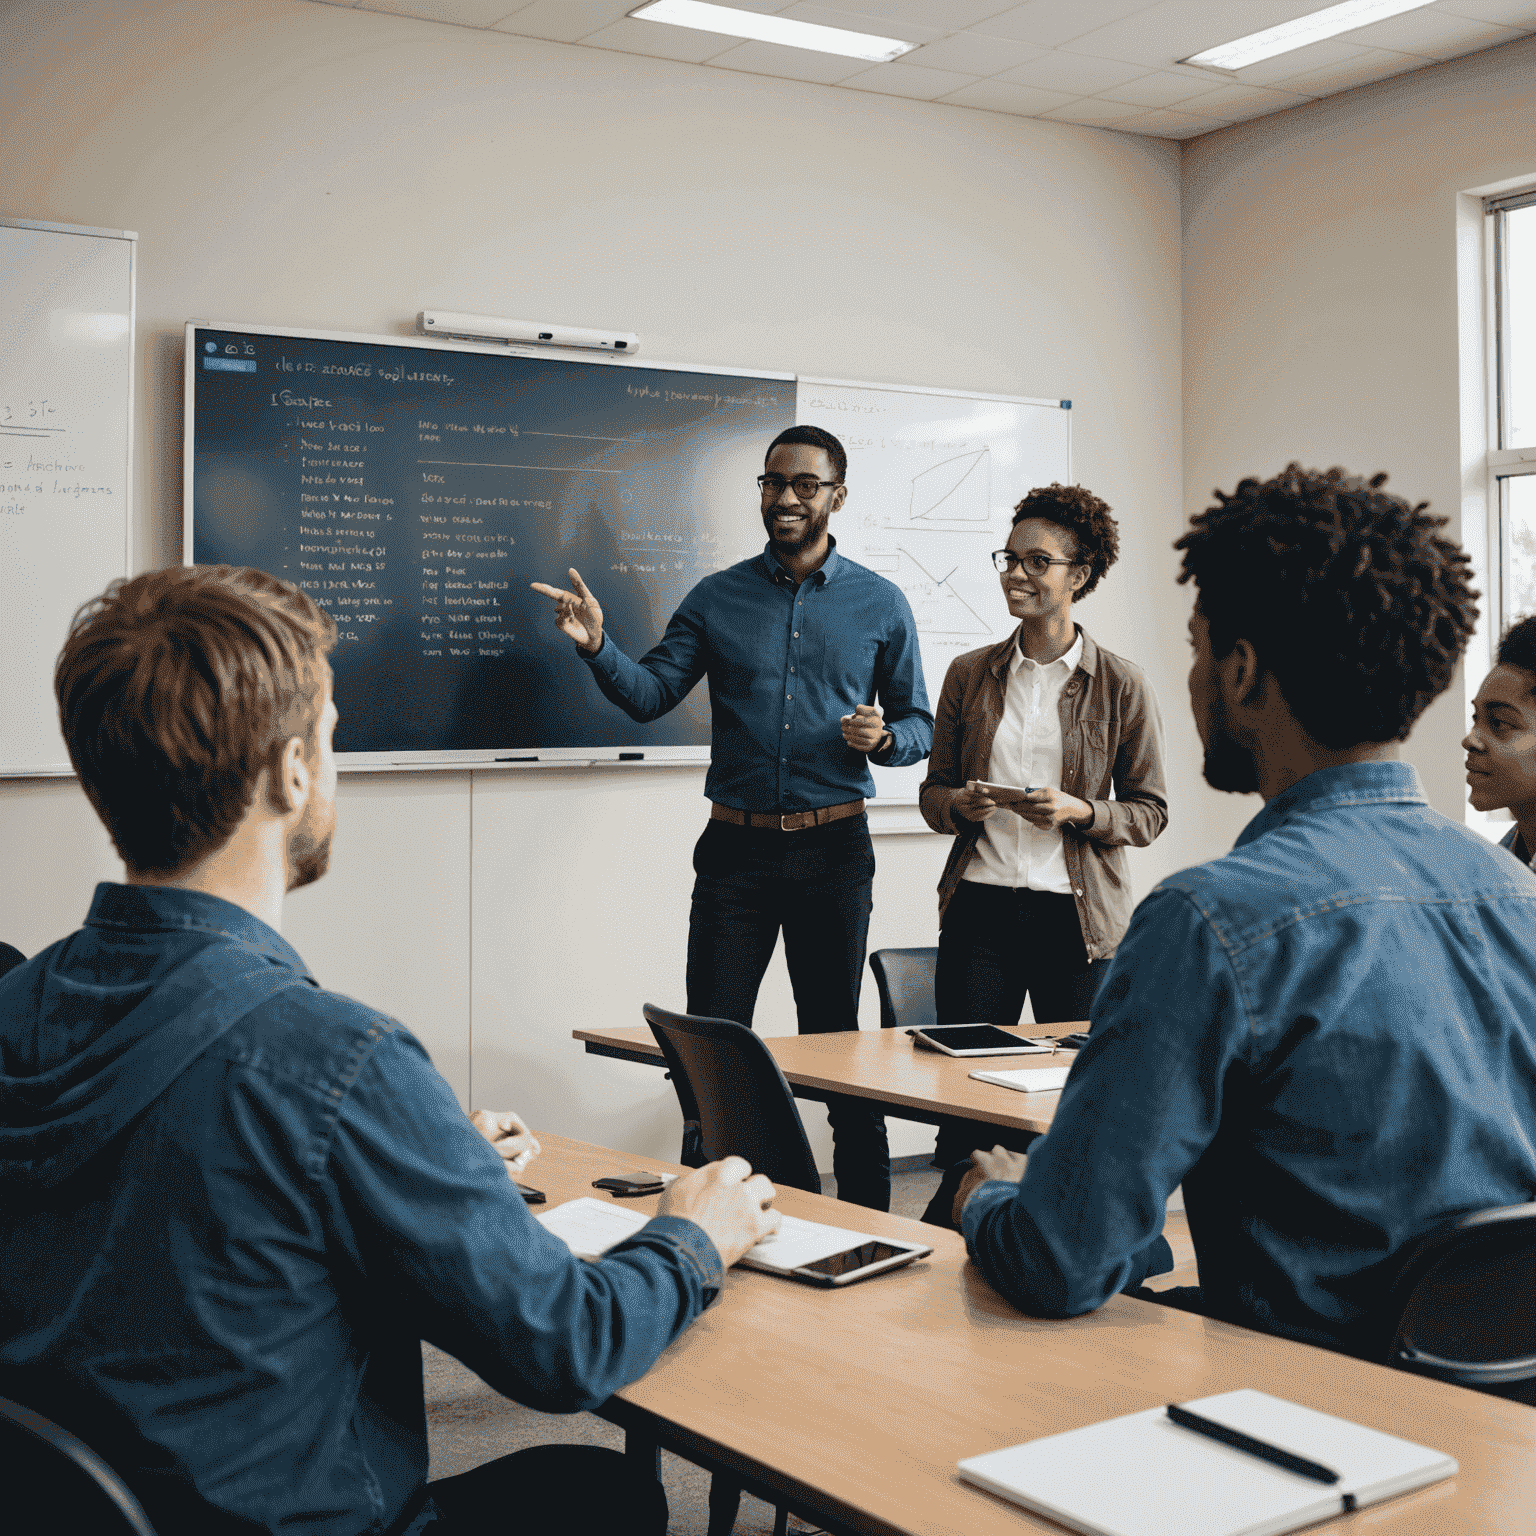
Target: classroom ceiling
{"type": "Point", "coordinates": [1105, 63]}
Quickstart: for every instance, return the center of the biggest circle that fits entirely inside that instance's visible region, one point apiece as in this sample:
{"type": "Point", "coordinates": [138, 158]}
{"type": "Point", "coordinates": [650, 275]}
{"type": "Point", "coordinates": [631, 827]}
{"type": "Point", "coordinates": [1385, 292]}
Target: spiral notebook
{"type": "Point", "coordinates": [1144, 1475]}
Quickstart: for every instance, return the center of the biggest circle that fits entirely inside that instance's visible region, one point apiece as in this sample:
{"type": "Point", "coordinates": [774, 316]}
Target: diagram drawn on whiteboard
{"type": "Point", "coordinates": [958, 490]}
{"type": "Point", "coordinates": [936, 606]}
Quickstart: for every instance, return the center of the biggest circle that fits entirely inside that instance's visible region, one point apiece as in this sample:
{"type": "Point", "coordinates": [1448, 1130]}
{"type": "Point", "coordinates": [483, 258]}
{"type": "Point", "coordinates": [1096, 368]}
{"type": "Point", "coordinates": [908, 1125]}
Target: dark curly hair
{"type": "Point", "coordinates": [1518, 647]}
{"type": "Point", "coordinates": [1095, 534]}
{"type": "Point", "coordinates": [1350, 597]}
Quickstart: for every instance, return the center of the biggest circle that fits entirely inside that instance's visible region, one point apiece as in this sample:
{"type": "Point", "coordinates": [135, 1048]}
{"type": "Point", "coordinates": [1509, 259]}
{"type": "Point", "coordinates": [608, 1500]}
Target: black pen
{"type": "Point", "coordinates": [1260, 1448]}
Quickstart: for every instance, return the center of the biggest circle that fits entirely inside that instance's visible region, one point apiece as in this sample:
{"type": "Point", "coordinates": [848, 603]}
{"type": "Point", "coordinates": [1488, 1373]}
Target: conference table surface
{"type": "Point", "coordinates": [884, 1066]}
{"type": "Point", "coordinates": [854, 1405]}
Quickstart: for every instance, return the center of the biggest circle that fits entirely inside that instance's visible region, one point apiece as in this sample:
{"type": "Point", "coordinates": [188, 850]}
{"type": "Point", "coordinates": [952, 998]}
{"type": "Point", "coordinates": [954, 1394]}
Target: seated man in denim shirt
{"type": "Point", "coordinates": [1328, 1035]}
{"type": "Point", "coordinates": [231, 1203]}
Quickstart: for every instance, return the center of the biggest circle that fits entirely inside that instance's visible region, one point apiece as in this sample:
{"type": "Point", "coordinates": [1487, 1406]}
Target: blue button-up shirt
{"type": "Point", "coordinates": [231, 1204]}
{"type": "Point", "coordinates": [1328, 1036]}
{"type": "Point", "coordinates": [785, 663]}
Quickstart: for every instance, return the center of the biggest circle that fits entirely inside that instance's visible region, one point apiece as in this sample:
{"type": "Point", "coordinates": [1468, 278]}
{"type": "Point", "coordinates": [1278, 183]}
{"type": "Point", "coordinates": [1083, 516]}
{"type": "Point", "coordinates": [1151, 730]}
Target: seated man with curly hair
{"type": "Point", "coordinates": [1324, 1035]}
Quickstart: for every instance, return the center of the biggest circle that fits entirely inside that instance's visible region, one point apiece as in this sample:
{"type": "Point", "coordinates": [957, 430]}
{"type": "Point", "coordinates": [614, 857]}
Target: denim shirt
{"type": "Point", "coordinates": [785, 663]}
{"type": "Point", "coordinates": [1328, 1036]}
{"type": "Point", "coordinates": [225, 1228]}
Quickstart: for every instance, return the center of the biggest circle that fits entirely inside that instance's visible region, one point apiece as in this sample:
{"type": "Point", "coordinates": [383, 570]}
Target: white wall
{"type": "Point", "coordinates": [303, 165]}
{"type": "Point", "coordinates": [1322, 317]}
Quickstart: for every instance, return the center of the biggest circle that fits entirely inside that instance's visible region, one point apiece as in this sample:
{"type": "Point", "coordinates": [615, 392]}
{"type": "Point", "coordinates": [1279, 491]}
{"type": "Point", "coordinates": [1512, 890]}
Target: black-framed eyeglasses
{"type": "Point", "coordinates": [807, 487]}
{"type": "Point", "coordinates": [1005, 560]}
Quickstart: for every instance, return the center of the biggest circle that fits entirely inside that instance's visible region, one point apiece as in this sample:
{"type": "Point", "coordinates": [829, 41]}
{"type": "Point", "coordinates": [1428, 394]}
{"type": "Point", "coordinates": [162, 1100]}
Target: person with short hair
{"type": "Point", "coordinates": [1036, 893]}
{"type": "Point", "coordinates": [232, 1204]}
{"type": "Point", "coordinates": [814, 673]}
{"type": "Point", "coordinates": [1501, 746]}
{"type": "Point", "coordinates": [1327, 1034]}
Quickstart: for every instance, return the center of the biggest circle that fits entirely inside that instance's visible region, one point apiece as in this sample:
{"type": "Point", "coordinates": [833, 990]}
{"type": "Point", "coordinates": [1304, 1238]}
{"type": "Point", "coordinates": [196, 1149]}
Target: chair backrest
{"type": "Point", "coordinates": [905, 981]}
{"type": "Point", "coordinates": [56, 1483]}
{"type": "Point", "coordinates": [10, 958]}
{"type": "Point", "coordinates": [1464, 1303]}
{"type": "Point", "coordinates": [739, 1095]}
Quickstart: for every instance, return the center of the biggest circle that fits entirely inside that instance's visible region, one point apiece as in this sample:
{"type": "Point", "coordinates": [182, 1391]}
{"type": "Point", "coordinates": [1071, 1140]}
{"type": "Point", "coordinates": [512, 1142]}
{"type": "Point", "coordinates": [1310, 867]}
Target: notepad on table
{"type": "Point", "coordinates": [1170, 1481]}
{"type": "Point", "coordinates": [1027, 1079]}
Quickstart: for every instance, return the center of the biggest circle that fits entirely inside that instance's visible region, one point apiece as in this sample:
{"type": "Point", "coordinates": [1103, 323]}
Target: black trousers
{"type": "Point", "coordinates": [997, 947]}
{"type": "Point", "coordinates": [575, 1490]}
{"type": "Point", "coordinates": [816, 887]}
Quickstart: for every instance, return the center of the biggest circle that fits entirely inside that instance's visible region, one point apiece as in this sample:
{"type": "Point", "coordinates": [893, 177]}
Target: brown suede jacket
{"type": "Point", "coordinates": [1111, 739]}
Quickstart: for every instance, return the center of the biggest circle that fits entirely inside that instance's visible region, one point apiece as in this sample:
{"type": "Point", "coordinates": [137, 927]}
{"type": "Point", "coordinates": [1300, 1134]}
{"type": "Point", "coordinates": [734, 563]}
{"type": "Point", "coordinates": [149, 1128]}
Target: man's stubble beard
{"type": "Point", "coordinates": [1228, 765]}
{"type": "Point", "coordinates": [309, 851]}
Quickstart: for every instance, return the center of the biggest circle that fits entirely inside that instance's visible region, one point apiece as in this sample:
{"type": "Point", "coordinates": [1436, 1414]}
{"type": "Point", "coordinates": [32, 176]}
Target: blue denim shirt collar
{"type": "Point", "coordinates": [828, 569]}
{"type": "Point", "coordinates": [1348, 784]}
{"type": "Point", "coordinates": [163, 908]}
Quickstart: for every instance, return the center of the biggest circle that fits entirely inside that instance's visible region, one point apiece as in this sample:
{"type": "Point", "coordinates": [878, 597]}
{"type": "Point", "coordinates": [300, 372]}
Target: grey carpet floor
{"type": "Point", "coordinates": [469, 1424]}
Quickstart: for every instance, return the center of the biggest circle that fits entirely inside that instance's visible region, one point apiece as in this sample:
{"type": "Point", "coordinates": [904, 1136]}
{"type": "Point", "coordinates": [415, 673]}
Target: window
{"type": "Point", "coordinates": [1512, 457]}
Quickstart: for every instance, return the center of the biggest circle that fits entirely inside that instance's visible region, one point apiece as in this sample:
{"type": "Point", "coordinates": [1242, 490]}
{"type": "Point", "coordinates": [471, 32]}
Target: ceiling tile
{"type": "Point", "coordinates": [1161, 88]}
{"type": "Point", "coordinates": [1372, 64]}
{"type": "Point", "coordinates": [1510, 13]}
{"type": "Point", "coordinates": [659, 41]}
{"type": "Point", "coordinates": [973, 54]}
{"type": "Point", "coordinates": [910, 80]}
{"type": "Point", "coordinates": [1236, 102]}
{"type": "Point", "coordinates": [942, 15]}
{"type": "Point", "coordinates": [564, 21]}
{"type": "Point", "coordinates": [999, 96]}
{"type": "Point", "coordinates": [1074, 72]}
{"type": "Point", "coordinates": [1161, 34]}
{"type": "Point", "coordinates": [1169, 125]}
{"type": "Point", "coordinates": [788, 63]}
{"type": "Point", "coordinates": [1093, 113]}
{"type": "Point", "coordinates": [1431, 35]}
{"type": "Point", "coordinates": [1053, 22]}
{"type": "Point", "coordinates": [463, 13]}
{"type": "Point", "coordinates": [858, 21]}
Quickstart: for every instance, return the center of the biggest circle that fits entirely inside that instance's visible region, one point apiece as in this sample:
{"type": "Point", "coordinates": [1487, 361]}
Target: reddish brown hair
{"type": "Point", "coordinates": [176, 689]}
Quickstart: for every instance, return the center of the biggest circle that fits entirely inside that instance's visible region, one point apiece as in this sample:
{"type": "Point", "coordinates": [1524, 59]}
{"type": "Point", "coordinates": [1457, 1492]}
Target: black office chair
{"type": "Point", "coordinates": [58, 1483]}
{"type": "Point", "coordinates": [10, 958]}
{"type": "Point", "coordinates": [1465, 1303]}
{"type": "Point", "coordinates": [729, 1084]}
{"type": "Point", "coordinates": [904, 978]}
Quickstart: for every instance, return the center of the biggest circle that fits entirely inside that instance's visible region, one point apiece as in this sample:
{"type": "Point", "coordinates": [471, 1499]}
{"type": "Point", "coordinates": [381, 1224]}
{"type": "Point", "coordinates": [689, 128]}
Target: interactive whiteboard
{"type": "Point", "coordinates": [66, 419]}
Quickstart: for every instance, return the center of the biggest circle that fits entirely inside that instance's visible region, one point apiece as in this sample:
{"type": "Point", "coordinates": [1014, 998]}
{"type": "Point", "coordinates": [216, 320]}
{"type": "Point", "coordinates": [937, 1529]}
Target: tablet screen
{"type": "Point", "coordinates": [976, 1037]}
{"type": "Point", "coordinates": [854, 1258]}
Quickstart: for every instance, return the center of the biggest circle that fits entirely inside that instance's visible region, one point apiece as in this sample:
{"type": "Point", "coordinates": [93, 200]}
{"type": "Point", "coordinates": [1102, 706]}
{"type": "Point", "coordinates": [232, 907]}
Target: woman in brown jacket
{"type": "Point", "coordinates": [1036, 894]}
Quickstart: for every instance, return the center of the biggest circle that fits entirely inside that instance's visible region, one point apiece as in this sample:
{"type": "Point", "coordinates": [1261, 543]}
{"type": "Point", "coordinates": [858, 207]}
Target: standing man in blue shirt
{"type": "Point", "coordinates": [813, 672]}
{"type": "Point", "coordinates": [1328, 1035]}
{"type": "Point", "coordinates": [232, 1204]}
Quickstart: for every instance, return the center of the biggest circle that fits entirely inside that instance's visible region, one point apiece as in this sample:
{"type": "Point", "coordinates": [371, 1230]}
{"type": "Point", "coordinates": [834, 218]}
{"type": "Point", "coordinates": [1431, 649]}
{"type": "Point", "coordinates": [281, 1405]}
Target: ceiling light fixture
{"type": "Point", "coordinates": [1301, 31]}
{"type": "Point", "coordinates": [773, 29]}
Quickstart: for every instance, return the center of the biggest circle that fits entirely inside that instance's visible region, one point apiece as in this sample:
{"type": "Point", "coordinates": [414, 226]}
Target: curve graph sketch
{"type": "Point", "coordinates": [958, 490]}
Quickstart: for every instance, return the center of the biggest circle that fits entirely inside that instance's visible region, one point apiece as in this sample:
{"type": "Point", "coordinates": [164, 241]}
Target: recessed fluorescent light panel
{"type": "Point", "coordinates": [1298, 33]}
{"type": "Point", "coordinates": [773, 29]}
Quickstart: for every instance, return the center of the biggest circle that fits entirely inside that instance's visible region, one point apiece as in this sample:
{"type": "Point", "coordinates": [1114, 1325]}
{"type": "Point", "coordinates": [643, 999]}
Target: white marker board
{"type": "Point", "coordinates": [933, 477]}
{"type": "Point", "coordinates": [66, 417]}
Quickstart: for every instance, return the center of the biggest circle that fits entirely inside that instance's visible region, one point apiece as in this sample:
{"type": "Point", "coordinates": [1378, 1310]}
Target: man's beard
{"type": "Point", "coordinates": [309, 852]}
{"type": "Point", "coordinates": [815, 526]}
{"type": "Point", "coordinates": [1228, 765]}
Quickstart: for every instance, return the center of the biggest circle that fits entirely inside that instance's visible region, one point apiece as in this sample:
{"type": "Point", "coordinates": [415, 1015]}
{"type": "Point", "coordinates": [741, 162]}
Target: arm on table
{"type": "Point", "coordinates": [1143, 1102]}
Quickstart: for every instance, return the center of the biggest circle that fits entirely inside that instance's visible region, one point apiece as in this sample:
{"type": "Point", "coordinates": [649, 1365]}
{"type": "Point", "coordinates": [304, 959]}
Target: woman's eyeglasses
{"type": "Point", "coordinates": [1005, 560]}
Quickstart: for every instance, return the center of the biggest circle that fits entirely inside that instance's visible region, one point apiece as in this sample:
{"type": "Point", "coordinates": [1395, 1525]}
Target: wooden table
{"type": "Point", "coordinates": [853, 1406]}
{"type": "Point", "coordinates": [881, 1065]}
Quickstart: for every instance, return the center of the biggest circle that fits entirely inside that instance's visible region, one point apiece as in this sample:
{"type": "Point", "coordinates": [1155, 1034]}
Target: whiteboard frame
{"type": "Point", "coordinates": [96, 232]}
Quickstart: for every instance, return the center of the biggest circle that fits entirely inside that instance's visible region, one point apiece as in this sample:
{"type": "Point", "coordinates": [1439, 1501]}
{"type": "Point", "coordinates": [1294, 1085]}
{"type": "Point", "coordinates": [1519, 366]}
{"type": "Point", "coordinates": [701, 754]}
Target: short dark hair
{"type": "Point", "coordinates": [176, 689]}
{"type": "Point", "coordinates": [814, 437]}
{"type": "Point", "coordinates": [1518, 647]}
{"type": "Point", "coordinates": [1095, 534]}
{"type": "Point", "coordinates": [1351, 598]}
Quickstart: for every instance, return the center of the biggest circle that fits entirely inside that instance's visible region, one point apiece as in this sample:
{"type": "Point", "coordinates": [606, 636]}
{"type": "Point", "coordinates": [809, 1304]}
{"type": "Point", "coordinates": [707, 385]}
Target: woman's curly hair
{"type": "Point", "coordinates": [1518, 647]}
{"type": "Point", "coordinates": [1095, 533]}
{"type": "Point", "coordinates": [1350, 597]}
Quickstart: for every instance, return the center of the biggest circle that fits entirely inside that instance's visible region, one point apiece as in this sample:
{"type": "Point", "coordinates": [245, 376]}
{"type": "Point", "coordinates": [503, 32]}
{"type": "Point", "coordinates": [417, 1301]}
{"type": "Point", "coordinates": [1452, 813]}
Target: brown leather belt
{"type": "Point", "coordinates": [787, 821]}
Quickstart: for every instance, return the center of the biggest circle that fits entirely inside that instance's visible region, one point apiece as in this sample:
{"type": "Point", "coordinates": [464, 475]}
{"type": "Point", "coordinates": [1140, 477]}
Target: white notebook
{"type": "Point", "coordinates": [1027, 1079]}
{"type": "Point", "coordinates": [1144, 1475]}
